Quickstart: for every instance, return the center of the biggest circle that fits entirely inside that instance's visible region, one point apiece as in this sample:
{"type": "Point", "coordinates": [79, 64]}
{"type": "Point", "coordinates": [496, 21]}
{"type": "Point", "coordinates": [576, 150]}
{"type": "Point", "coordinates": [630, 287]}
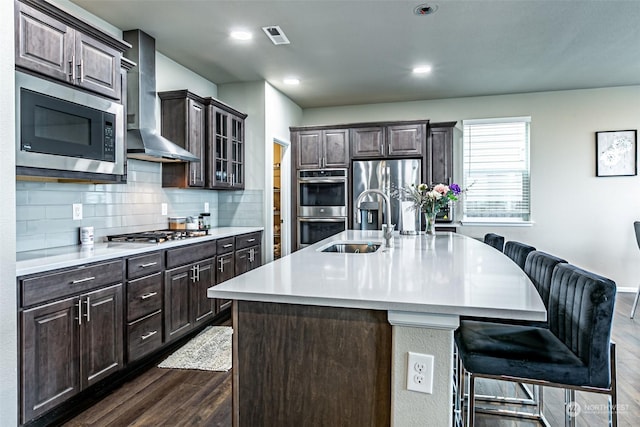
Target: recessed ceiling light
{"type": "Point", "coordinates": [291, 81]}
{"type": "Point", "coordinates": [241, 35]}
{"type": "Point", "coordinates": [423, 69]}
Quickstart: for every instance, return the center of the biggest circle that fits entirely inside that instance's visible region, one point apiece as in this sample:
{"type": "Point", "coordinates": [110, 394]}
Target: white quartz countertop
{"type": "Point", "coordinates": [37, 261]}
{"type": "Point", "coordinates": [448, 274]}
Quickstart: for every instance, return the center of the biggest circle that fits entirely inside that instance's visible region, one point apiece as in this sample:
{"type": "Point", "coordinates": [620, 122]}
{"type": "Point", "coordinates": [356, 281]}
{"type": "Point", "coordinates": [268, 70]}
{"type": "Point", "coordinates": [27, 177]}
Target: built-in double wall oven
{"type": "Point", "coordinates": [322, 204]}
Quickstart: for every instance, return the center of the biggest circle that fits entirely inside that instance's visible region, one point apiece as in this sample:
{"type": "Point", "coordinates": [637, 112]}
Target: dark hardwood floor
{"type": "Point", "coordinates": [171, 397]}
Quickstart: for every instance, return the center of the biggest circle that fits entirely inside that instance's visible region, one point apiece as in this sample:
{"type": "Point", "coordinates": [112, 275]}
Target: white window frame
{"type": "Point", "coordinates": [523, 169]}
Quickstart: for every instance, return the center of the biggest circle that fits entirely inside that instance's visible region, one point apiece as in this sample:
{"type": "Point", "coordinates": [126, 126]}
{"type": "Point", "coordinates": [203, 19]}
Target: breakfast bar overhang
{"type": "Point", "coordinates": [322, 337]}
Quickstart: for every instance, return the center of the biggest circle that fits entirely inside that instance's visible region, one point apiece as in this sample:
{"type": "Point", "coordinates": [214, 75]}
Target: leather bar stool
{"type": "Point", "coordinates": [517, 252]}
{"type": "Point", "coordinates": [574, 353]}
{"type": "Point", "coordinates": [495, 240]}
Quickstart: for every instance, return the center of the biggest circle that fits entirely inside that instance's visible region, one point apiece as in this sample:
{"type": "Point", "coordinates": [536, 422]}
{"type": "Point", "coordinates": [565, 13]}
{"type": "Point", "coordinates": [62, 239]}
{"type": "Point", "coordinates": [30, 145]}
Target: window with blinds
{"type": "Point", "coordinates": [496, 169]}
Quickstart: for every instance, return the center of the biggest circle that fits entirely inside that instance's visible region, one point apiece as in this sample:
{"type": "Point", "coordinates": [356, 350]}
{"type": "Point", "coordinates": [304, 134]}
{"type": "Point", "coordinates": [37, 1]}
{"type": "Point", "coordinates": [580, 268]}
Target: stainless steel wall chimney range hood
{"type": "Point", "coordinates": [143, 140]}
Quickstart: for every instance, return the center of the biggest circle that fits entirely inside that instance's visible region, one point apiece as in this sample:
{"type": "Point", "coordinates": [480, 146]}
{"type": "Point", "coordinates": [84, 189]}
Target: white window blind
{"type": "Point", "coordinates": [496, 169]}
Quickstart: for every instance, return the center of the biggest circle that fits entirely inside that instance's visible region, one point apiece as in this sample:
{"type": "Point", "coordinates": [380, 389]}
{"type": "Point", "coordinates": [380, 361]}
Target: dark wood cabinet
{"type": "Point", "coordinates": [225, 146]}
{"type": "Point", "coordinates": [388, 141]}
{"type": "Point", "coordinates": [183, 121]}
{"type": "Point", "coordinates": [440, 152]}
{"type": "Point", "coordinates": [101, 341]}
{"type": "Point", "coordinates": [210, 130]}
{"type": "Point", "coordinates": [327, 148]}
{"type": "Point", "coordinates": [203, 306]}
{"type": "Point", "coordinates": [144, 304]}
{"type": "Point", "coordinates": [80, 325]}
{"type": "Point", "coordinates": [50, 369]}
{"type": "Point", "coordinates": [69, 345]}
{"type": "Point", "coordinates": [191, 272]}
{"type": "Point", "coordinates": [48, 43]}
{"type": "Point", "coordinates": [406, 140]}
{"type": "Point", "coordinates": [367, 142]}
{"type": "Point", "coordinates": [185, 298]}
{"type": "Point", "coordinates": [247, 259]}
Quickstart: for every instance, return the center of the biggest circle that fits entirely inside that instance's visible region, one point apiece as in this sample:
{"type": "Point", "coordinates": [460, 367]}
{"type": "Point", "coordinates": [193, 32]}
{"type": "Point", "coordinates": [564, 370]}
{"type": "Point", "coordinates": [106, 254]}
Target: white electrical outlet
{"type": "Point", "coordinates": [77, 211]}
{"type": "Point", "coordinates": [420, 372]}
{"type": "Point", "coordinates": [163, 209]}
{"type": "Point", "coordinates": [206, 207]}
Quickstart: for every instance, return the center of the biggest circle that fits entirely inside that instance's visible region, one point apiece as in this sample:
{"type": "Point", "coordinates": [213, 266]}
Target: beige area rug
{"type": "Point", "coordinates": [210, 350]}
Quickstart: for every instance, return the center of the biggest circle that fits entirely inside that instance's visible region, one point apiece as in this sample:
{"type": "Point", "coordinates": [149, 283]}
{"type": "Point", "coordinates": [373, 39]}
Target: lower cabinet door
{"type": "Point", "coordinates": [49, 351]}
{"type": "Point", "coordinates": [101, 345]}
{"type": "Point", "coordinates": [177, 301]}
{"type": "Point", "coordinates": [203, 306]}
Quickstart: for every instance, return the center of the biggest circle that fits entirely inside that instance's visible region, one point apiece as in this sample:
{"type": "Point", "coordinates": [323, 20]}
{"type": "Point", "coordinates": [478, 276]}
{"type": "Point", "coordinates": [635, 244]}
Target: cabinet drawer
{"type": "Point", "coordinates": [144, 296]}
{"type": "Point", "coordinates": [144, 336]}
{"type": "Point", "coordinates": [143, 265]}
{"type": "Point", "coordinates": [249, 239]}
{"type": "Point", "coordinates": [190, 253]}
{"type": "Point", "coordinates": [52, 286]}
{"type": "Point", "coordinates": [225, 245]}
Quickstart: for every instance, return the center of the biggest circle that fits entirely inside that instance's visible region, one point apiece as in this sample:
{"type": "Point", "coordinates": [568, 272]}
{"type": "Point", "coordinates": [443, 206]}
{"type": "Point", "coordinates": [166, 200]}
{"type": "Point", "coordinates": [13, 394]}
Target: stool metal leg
{"type": "Point", "coordinates": [635, 303]}
{"type": "Point", "coordinates": [569, 411]}
{"type": "Point", "coordinates": [471, 413]}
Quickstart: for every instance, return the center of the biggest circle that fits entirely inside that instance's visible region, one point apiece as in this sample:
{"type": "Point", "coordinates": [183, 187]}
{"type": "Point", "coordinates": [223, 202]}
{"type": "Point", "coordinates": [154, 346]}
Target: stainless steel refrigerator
{"type": "Point", "coordinates": [384, 175]}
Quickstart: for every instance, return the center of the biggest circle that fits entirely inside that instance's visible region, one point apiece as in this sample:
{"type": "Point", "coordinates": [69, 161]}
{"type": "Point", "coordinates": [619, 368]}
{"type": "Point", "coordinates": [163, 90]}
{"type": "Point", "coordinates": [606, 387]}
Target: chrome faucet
{"type": "Point", "coordinates": [387, 229]}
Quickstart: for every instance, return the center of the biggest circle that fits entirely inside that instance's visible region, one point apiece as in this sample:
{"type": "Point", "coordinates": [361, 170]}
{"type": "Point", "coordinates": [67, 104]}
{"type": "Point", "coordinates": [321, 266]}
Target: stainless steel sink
{"type": "Point", "coordinates": [352, 247]}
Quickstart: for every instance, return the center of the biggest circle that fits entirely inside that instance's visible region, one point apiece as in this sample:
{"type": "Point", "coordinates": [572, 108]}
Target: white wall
{"type": "Point", "coordinates": [579, 217]}
{"type": "Point", "coordinates": [250, 99]}
{"type": "Point", "coordinates": [269, 115]}
{"type": "Point", "coordinates": [280, 114]}
{"type": "Point", "coordinates": [8, 303]}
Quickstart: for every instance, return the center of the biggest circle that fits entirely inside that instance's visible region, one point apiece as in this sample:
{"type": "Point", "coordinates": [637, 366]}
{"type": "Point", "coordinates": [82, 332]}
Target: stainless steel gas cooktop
{"type": "Point", "coordinates": [156, 236]}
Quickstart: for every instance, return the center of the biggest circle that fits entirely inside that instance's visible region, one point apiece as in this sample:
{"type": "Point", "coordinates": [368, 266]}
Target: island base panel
{"type": "Point", "coordinates": [310, 365]}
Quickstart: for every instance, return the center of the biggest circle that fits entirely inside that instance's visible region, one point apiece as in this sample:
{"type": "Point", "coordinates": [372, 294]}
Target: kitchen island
{"type": "Point", "coordinates": [322, 338]}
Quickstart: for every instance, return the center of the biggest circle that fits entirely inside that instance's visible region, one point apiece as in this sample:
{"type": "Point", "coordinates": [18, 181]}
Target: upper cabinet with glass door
{"type": "Point", "coordinates": [225, 146]}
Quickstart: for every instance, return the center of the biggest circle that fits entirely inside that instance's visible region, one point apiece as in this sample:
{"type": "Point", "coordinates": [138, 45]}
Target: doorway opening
{"type": "Point", "coordinates": [277, 205]}
{"type": "Point", "coordinates": [281, 199]}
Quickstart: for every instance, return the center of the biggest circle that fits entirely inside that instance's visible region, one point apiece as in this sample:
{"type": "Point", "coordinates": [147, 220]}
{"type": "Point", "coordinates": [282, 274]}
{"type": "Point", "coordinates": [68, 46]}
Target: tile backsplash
{"type": "Point", "coordinates": [44, 209]}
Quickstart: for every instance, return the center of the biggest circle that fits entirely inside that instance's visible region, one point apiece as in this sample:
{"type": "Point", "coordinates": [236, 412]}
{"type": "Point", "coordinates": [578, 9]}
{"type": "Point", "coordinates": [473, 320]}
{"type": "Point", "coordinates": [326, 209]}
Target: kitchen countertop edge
{"type": "Point", "coordinates": [43, 260]}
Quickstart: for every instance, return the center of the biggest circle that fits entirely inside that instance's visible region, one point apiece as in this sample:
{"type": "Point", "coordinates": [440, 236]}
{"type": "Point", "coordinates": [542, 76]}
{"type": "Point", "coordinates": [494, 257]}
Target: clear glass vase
{"type": "Point", "coordinates": [430, 226]}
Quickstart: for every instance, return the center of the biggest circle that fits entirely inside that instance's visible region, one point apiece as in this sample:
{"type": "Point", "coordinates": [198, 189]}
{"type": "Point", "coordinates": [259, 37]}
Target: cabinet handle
{"type": "Point", "coordinates": [222, 262]}
{"type": "Point", "coordinates": [149, 264]}
{"type": "Point", "coordinates": [228, 245]}
{"type": "Point", "coordinates": [251, 255]}
{"type": "Point", "coordinates": [79, 305]}
{"type": "Point", "coordinates": [88, 309]}
{"type": "Point", "coordinates": [71, 69]}
{"type": "Point", "coordinates": [251, 240]}
{"type": "Point", "coordinates": [149, 295]}
{"type": "Point", "coordinates": [148, 335]}
{"type": "Point", "coordinates": [86, 279]}
{"type": "Point", "coordinates": [80, 76]}
{"type": "Point", "coordinates": [196, 273]}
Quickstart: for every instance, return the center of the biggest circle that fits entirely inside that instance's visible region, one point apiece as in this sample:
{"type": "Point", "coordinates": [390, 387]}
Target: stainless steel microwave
{"type": "Point", "coordinates": [65, 129]}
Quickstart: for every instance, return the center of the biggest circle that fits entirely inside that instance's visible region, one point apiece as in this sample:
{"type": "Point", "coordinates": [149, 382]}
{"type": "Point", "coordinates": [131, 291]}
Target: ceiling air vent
{"type": "Point", "coordinates": [276, 35]}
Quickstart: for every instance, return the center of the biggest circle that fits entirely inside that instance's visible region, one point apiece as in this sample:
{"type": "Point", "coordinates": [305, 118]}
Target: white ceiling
{"type": "Point", "coordinates": [357, 51]}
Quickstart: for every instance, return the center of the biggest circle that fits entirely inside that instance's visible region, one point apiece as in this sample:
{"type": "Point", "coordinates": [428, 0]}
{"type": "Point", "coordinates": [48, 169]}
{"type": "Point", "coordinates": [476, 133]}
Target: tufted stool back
{"type": "Point", "coordinates": [517, 252]}
{"type": "Point", "coordinates": [539, 267]}
{"type": "Point", "coordinates": [495, 240]}
{"type": "Point", "coordinates": [580, 314]}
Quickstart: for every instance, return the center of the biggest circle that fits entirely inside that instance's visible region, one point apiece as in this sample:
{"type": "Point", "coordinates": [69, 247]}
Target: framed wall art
{"type": "Point", "coordinates": [616, 153]}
